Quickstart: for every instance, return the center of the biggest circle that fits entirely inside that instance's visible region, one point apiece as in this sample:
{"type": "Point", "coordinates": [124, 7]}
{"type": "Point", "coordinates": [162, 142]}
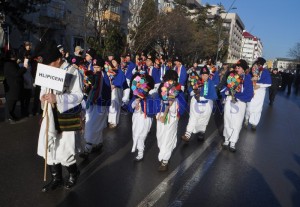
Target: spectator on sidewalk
{"type": "Point", "coordinates": [13, 84]}
{"type": "Point", "coordinates": [27, 84]}
{"type": "Point", "coordinates": [276, 84]}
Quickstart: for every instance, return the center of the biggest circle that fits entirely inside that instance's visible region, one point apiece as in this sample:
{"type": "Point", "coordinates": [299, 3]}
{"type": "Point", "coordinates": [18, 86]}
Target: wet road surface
{"type": "Point", "coordinates": [265, 170]}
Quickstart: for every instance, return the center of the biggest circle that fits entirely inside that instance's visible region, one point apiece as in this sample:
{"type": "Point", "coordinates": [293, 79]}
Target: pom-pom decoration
{"type": "Point", "coordinates": [234, 84]}
{"type": "Point", "coordinates": [170, 90]}
{"type": "Point", "coordinates": [140, 87]}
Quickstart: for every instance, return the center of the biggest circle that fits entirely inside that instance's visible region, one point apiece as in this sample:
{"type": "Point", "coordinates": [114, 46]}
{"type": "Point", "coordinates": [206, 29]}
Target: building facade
{"type": "Point", "coordinates": [233, 26]}
{"type": "Point", "coordinates": [285, 64]}
{"type": "Point", "coordinates": [252, 47]}
{"type": "Point", "coordinates": [69, 22]}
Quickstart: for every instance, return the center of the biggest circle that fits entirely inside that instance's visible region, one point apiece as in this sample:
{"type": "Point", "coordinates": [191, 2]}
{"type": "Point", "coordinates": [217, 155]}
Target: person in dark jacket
{"type": "Point", "coordinates": [13, 75]}
{"type": "Point", "coordinates": [290, 80]}
{"type": "Point", "coordinates": [276, 84]}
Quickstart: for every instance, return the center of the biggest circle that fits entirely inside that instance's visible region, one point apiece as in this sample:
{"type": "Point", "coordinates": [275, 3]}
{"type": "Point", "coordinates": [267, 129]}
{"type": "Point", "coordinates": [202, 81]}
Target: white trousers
{"type": "Point", "coordinates": [166, 134]}
{"type": "Point", "coordinates": [233, 119]}
{"type": "Point", "coordinates": [254, 107]}
{"type": "Point", "coordinates": [199, 116]}
{"type": "Point", "coordinates": [115, 107]}
{"type": "Point", "coordinates": [140, 129]}
{"type": "Point", "coordinates": [96, 121]}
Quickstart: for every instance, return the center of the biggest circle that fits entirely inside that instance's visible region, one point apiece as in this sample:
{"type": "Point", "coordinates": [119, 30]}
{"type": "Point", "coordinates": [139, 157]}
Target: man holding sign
{"type": "Point", "coordinates": [61, 96]}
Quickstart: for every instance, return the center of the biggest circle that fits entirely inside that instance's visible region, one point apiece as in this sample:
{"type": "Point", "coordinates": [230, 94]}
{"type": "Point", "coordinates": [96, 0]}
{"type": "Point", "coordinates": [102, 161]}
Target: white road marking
{"type": "Point", "coordinates": [168, 182]}
{"type": "Point", "coordinates": [189, 185]}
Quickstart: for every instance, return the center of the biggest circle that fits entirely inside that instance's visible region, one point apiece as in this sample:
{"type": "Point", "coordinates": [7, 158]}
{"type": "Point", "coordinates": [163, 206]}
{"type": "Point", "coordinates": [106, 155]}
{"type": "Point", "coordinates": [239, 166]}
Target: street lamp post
{"type": "Point", "coordinates": [221, 28]}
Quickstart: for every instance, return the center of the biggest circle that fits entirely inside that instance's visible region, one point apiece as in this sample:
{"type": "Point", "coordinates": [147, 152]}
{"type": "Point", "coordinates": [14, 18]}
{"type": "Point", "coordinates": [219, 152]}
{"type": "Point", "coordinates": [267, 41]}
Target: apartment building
{"type": "Point", "coordinates": [252, 47]}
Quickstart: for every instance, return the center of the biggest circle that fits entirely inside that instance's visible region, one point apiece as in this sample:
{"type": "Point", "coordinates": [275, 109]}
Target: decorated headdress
{"type": "Point", "coordinates": [170, 88]}
{"type": "Point", "coordinates": [141, 85]}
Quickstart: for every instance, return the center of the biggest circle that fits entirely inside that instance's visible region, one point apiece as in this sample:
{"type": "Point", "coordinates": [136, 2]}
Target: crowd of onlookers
{"type": "Point", "coordinates": [19, 71]}
{"type": "Point", "coordinates": [290, 78]}
{"type": "Point", "coordinates": [18, 68]}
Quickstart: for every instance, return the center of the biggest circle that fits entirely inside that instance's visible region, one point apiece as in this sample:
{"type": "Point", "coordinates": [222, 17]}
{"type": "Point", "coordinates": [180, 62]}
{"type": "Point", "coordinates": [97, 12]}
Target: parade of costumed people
{"type": "Point", "coordinates": [239, 92]}
{"type": "Point", "coordinates": [142, 108]}
{"type": "Point", "coordinates": [102, 79]}
{"type": "Point", "coordinates": [157, 90]}
{"type": "Point", "coordinates": [261, 80]}
{"type": "Point", "coordinates": [203, 94]}
{"type": "Point", "coordinates": [149, 103]}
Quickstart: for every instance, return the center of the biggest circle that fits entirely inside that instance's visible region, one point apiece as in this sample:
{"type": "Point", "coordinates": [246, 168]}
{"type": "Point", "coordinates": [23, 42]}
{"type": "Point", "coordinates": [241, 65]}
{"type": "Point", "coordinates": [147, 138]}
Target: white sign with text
{"type": "Point", "coordinates": [50, 77]}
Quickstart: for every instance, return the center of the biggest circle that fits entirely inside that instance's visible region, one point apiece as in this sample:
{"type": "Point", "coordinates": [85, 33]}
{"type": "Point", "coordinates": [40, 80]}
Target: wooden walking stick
{"type": "Point", "coordinates": [45, 113]}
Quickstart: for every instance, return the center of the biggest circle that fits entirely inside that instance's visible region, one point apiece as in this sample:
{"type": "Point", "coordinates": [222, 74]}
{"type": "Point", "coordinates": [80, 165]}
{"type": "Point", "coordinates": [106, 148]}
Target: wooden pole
{"type": "Point", "coordinates": [45, 113]}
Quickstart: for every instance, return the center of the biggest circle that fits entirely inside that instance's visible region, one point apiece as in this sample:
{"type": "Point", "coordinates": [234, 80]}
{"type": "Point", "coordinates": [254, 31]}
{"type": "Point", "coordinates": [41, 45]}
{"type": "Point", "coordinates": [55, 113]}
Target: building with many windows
{"type": "Point", "coordinates": [235, 32]}
{"type": "Point", "coordinates": [252, 47]}
{"type": "Point", "coordinates": [285, 64]}
{"type": "Point", "coordinates": [69, 22]}
{"type": "Point", "coordinates": [233, 26]}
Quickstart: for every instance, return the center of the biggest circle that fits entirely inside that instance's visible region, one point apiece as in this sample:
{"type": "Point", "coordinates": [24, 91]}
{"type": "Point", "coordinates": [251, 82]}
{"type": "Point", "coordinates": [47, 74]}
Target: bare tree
{"type": "Point", "coordinates": [295, 51]}
{"type": "Point", "coordinates": [134, 21]}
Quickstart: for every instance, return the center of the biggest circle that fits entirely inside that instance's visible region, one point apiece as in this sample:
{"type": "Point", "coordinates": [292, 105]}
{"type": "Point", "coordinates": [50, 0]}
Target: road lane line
{"type": "Point", "coordinates": [190, 184]}
{"type": "Point", "coordinates": [168, 182]}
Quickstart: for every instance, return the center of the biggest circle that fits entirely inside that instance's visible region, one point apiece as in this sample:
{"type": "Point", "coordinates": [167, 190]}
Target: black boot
{"type": "Point", "coordinates": [201, 136]}
{"type": "Point", "coordinates": [73, 176]}
{"type": "Point", "coordinates": [57, 181]}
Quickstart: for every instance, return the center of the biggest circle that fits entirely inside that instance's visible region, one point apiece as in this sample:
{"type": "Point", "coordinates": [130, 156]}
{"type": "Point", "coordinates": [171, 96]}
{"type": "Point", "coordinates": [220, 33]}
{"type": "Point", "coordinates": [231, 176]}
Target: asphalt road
{"type": "Point", "coordinates": [265, 170]}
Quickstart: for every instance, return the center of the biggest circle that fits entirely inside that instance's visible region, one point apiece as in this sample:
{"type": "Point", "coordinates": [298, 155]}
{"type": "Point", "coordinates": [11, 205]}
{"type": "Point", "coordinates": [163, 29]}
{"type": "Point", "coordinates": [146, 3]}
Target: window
{"type": "Point", "coordinates": [78, 41]}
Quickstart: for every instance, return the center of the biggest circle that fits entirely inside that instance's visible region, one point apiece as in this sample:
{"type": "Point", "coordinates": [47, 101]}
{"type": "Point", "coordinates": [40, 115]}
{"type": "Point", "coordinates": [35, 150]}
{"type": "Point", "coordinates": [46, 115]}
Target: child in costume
{"type": "Point", "coordinates": [142, 107]}
{"type": "Point", "coordinates": [170, 106]}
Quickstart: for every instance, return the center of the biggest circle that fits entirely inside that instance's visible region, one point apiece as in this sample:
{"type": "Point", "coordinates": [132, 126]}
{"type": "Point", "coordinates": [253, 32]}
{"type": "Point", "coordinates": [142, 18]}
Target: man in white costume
{"type": "Point", "coordinates": [97, 105]}
{"type": "Point", "coordinates": [261, 81]}
{"type": "Point", "coordinates": [61, 143]}
{"type": "Point", "coordinates": [235, 105]}
{"type": "Point", "coordinates": [118, 83]}
{"type": "Point", "coordinates": [201, 106]}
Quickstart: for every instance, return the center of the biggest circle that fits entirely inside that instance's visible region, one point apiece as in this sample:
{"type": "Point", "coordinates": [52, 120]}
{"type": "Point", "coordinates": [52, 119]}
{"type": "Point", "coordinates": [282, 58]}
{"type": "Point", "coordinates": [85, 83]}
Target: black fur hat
{"type": "Point", "coordinates": [242, 63]}
{"type": "Point", "coordinates": [260, 61]}
{"type": "Point", "coordinates": [48, 51]}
